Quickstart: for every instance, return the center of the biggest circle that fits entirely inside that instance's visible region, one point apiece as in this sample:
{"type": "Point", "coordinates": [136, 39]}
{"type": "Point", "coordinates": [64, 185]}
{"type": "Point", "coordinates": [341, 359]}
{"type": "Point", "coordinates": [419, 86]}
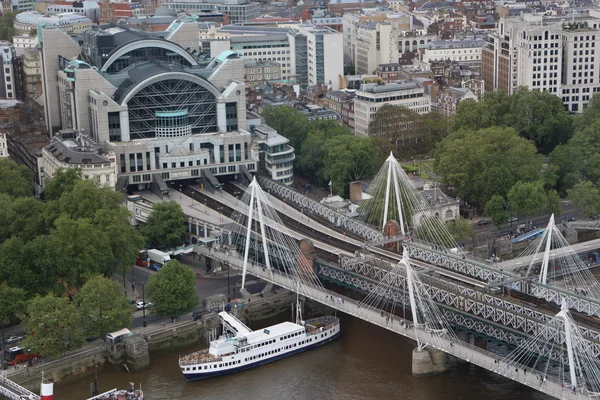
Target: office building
{"type": "Point", "coordinates": [238, 11]}
{"type": "Point", "coordinates": [8, 83]}
{"type": "Point", "coordinates": [3, 145]}
{"type": "Point", "coordinates": [464, 52]}
{"type": "Point", "coordinates": [376, 43]}
{"type": "Point", "coordinates": [372, 96]}
{"type": "Point", "coordinates": [553, 54]}
{"type": "Point", "coordinates": [28, 21]}
{"type": "Point", "coordinates": [325, 55]}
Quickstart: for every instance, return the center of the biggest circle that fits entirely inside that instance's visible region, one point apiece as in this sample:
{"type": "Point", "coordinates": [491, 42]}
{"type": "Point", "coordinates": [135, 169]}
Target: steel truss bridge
{"type": "Point", "coordinates": [466, 308]}
{"type": "Point", "coordinates": [462, 350]}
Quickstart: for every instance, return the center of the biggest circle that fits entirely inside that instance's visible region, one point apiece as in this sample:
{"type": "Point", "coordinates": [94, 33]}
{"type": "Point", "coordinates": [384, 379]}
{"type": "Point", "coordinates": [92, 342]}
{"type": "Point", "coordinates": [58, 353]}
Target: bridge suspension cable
{"type": "Point", "coordinates": [393, 196]}
{"type": "Point", "coordinates": [560, 339]}
{"type": "Point", "coordinates": [552, 261]}
{"type": "Point", "coordinates": [261, 237]}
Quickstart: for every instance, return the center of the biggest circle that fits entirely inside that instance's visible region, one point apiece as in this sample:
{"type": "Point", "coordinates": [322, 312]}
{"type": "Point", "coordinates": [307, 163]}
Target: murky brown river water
{"type": "Point", "coordinates": [366, 362]}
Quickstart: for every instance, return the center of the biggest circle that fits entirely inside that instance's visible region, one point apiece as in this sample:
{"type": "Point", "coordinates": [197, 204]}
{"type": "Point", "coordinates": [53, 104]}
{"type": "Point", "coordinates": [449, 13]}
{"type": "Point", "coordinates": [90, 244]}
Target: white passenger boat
{"type": "Point", "coordinates": [240, 348]}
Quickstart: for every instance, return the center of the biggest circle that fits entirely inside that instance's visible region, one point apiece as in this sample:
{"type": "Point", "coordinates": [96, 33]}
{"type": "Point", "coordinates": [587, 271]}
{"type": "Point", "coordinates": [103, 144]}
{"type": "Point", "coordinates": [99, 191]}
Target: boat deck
{"type": "Point", "coordinates": [198, 357]}
{"type": "Point", "coordinates": [316, 325]}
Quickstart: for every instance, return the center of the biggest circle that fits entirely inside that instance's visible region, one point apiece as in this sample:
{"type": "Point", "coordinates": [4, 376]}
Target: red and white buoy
{"type": "Point", "coordinates": [47, 390]}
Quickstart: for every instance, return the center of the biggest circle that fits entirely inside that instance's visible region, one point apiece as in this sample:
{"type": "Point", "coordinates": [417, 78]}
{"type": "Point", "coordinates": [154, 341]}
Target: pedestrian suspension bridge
{"type": "Point", "coordinates": [556, 360]}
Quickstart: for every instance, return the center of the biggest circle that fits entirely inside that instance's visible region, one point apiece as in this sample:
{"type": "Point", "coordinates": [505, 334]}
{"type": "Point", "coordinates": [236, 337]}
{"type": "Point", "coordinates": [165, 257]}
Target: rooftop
{"type": "Point", "coordinates": [389, 87]}
{"type": "Point", "coordinates": [35, 17]}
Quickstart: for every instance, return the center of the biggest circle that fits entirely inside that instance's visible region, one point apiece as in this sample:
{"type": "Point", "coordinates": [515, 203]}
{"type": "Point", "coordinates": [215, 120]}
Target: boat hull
{"type": "Point", "coordinates": [199, 376]}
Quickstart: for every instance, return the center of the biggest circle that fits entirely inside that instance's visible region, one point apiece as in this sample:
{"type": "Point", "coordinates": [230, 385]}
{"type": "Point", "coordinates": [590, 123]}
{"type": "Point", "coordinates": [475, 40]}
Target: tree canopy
{"type": "Point", "coordinates": [105, 307]}
{"type": "Point", "coordinates": [460, 229]}
{"type": "Point", "coordinates": [586, 197]}
{"type": "Point", "coordinates": [15, 180]}
{"type": "Point", "coordinates": [288, 122]}
{"type": "Point", "coordinates": [7, 25]}
{"type": "Point", "coordinates": [63, 181]}
{"type": "Point", "coordinates": [527, 198]}
{"type": "Point", "coordinates": [53, 325]}
{"type": "Point", "coordinates": [408, 130]}
{"type": "Point", "coordinates": [495, 208]}
{"type": "Point", "coordinates": [171, 290]}
{"type": "Point", "coordinates": [56, 245]}
{"type": "Point", "coordinates": [166, 226]}
{"type": "Point", "coordinates": [533, 114]}
{"type": "Point", "coordinates": [486, 162]}
{"type": "Point", "coordinates": [12, 303]}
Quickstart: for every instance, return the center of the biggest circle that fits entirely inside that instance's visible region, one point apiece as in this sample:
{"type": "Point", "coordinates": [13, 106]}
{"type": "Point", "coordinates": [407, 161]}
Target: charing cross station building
{"type": "Point", "coordinates": [147, 99]}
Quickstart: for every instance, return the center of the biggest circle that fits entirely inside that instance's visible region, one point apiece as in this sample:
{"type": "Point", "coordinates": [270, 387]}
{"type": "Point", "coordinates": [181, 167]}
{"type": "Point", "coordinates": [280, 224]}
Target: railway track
{"type": "Point", "coordinates": [390, 256]}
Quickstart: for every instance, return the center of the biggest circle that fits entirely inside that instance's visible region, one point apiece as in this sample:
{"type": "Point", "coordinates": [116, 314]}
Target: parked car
{"type": "Point", "coordinates": [13, 339]}
{"type": "Point", "coordinates": [484, 222]}
{"type": "Point", "coordinates": [155, 267]}
{"type": "Point", "coordinates": [140, 304]}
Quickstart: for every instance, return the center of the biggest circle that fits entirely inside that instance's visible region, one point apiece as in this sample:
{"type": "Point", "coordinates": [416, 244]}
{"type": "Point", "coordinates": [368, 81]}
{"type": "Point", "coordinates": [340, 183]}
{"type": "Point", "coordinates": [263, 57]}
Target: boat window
{"type": "Point", "coordinates": [220, 365]}
{"type": "Point", "coordinates": [205, 367]}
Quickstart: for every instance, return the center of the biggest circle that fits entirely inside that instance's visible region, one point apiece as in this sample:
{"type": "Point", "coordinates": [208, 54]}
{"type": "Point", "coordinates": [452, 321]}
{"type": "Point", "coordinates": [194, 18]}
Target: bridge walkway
{"type": "Point", "coordinates": [462, 350]}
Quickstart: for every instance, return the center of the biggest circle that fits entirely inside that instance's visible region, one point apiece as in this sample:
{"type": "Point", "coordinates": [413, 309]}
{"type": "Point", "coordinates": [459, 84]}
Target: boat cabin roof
{"type": "Point", "coordinates": [271, 332]}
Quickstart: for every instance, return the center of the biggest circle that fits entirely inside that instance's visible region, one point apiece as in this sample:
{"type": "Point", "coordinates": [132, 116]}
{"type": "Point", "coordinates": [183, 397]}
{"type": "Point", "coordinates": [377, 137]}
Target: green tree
{"type": "Point", "coordinates": [87, 200]}
{"type": "Point", "coordinates": [540, 116]}
{"type": "Point", "coordinates": [495, 208]}
{"type": "Point", "coordinates": [12, 304]}
{"type": "Point", "coordinates": [591, 113]}
{"type": "Point", "coordinates": [586, 197]}
{"type": "Point", "coordinates": [105, 306]}
{"type": "Point", "coordinates": [487, 162]}
{"type": "Point", "coordinates": [553, 205]}
{"type": "Point", "coordinates": [311, 160]}
{"type": "Point", "coordinates": [81, 250]}
{"type": "Point", "coordinates": [21, 217]}
{"type": "Point", "coordinates": [535, 115]}
{"type": "Point", "coordinates": [6, 25]}
{"type": "Point", "coordinates": [349, 159]}
{"type": "Point", "coordinates": [527, 198]}
{"type": "Point", "coordinates": [15, 180]}
{"type": "Point", "coordinates": [490, 111]}
{"type": "Point", "coordinates": [63, 181]}
{"type": "Point", "coordinates": [171, 290]}
{"type": "Point", "coordinates": [166, 226]}
{"type": "Point", "coordinates": [460, 229]}
{"type": "Point", "coordinates": [53, 325]}
{"type": "Point", "coordinates": [288, 122]}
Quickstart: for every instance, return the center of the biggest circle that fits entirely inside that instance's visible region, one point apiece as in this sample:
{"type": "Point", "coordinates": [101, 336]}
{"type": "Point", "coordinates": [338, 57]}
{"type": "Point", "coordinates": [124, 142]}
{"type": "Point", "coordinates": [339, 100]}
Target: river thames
{"type": "Point", "coordinates": [366, 362]}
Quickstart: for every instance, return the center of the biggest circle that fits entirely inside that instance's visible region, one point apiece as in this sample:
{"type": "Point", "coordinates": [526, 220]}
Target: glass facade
{"type": "Point", "coordinates": [158, 110]}
{"type": "Point", "coordinates": [144, 54]}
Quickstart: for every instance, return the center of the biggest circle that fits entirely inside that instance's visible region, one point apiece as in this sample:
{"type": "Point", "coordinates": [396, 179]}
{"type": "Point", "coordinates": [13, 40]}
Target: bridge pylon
{"type": "Point", "coordinates": [394, 197]}
{"type": "Point", "coordinates": [259, 234]}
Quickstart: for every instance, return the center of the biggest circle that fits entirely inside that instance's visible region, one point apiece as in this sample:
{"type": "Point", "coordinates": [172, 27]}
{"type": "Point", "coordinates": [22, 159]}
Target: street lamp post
{"type": "Point", "coordinates": [220, 216]}
{"type": "Point", "coordinates": [144, 307]}
{"type": "Point", "coordinates": [228, 291]}
{"type": "Point", "coordinates": [205, 209]}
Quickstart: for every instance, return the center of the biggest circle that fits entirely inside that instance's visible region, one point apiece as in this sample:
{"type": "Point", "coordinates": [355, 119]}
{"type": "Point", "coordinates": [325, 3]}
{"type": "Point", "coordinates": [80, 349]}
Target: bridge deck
{"type": "Point", "coordinates": [11, 390]}
{"type": "Point", "coordinates": [462, 350]}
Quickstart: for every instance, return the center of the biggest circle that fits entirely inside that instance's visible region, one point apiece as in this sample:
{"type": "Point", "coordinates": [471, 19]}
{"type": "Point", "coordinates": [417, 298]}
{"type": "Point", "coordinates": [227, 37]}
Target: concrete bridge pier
{"type": "Point", "coordinates": [481, 342]}
{"type": "Point", "coordinates": [428, 362]}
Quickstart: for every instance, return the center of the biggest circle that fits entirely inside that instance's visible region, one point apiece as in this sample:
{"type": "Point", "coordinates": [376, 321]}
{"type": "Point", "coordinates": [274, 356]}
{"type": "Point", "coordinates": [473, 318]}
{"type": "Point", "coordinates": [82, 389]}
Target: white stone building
{"type": "Point", "coordinates": [554, 54]}
{"type": "Point", "coordinates": [3, 145]}
{"type": "Point", "coordinates": [467, 52]}
{"type": "Point", "coordinates": [8, 85]}
{"type": "Point", "coordinates": [376, 43]}
{"type": "Point", "coordinates": [324, 54]}
{"type": "Point", "coordinates": [371, 97]}
{"type": "Point", "coordinates": [71, 149]}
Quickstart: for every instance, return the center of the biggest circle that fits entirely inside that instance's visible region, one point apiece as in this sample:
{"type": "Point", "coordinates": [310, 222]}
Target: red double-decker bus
{"type": "Point", "coordinates": [16, 355]}
{"type": "Point", "coordinates": [142, 259]}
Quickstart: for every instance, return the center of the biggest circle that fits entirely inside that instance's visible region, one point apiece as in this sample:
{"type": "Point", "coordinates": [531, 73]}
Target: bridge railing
{"type": "Point", "coordinates": [12, 390]}
{"type": "Point", "coordinates": [338, 219]}
{"type": "Point", "coordinates": [445, 343]}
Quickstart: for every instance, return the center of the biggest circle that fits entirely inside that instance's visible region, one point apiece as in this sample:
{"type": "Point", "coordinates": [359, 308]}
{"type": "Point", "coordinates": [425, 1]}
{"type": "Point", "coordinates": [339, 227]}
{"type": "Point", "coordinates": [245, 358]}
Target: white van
{"type": "Point", "coordinates": [118, 336]}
